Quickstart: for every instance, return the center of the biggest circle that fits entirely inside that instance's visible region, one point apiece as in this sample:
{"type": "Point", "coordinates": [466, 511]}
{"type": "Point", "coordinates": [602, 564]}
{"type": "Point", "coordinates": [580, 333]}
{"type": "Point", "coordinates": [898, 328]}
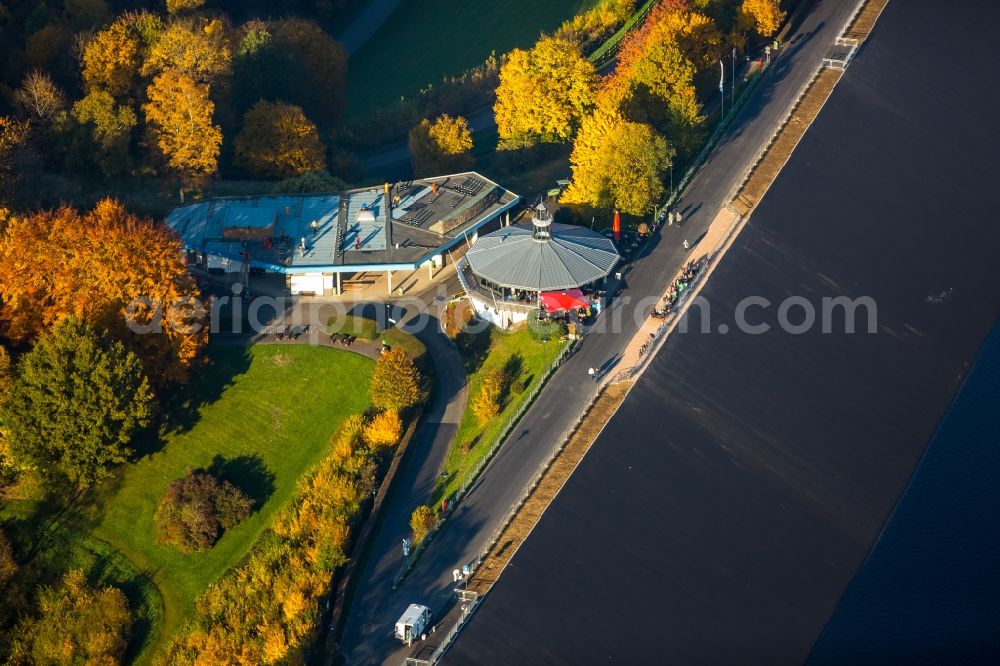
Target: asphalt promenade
{"type": "Point", "coordinates": [367, 639]}
{"type": "Point", "coordinates": [728, 504]}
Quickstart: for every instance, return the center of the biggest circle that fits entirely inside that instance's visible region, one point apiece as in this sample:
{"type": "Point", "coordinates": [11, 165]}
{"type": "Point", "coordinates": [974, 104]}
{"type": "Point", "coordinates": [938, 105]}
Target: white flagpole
{"type": "Point", "coordinates": [722, 89]}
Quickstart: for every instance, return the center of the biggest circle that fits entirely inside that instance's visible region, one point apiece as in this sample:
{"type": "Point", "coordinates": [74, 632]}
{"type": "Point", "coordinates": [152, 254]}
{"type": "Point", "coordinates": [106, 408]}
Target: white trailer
{"type": "Point", "coordinates": [412, 623]}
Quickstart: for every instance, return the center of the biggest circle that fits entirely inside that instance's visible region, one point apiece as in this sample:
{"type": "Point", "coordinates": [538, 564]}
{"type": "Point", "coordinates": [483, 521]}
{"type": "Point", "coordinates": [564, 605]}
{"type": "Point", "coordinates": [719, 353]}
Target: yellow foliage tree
{"type": "Point", "coordinates": [111, 269]}
{"type": "Point", "coordinates": [487, 403]}
{"type": "Point", "coordinates": [442, 146]}
{"type": "Point", "coordinates": [617, 164]}
{"type": "Point", "coordinates": [179, 112]}
{"type": "Point", "coordinates": [175, 6]}
{"type": "Point", "coordinates": [384, 430]}
{"type": "Point", "coordinates": [111, 59]}
{"type": "Point", "coordinates": [395, 383]}
{"type": "Point", "coordinates": [421, 523]}
{"type": "Point", "coordinates": [198, 49]}
{"type": "Point", "coordinates": [76, 624]}
{"type": "Point", "coordinates": [278, 140]}
{"type": "Point", "coordinates": [763, 16]}
{"type": "Point", "coordinates": [544, 93]}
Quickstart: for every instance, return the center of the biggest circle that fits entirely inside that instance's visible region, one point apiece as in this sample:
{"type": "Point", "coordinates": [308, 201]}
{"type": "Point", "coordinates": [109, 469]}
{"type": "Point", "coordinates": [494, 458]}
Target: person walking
{"type": "Point", "coordinates": [592, 373]}
{"type": "Point", "coordinates": [687, 246]}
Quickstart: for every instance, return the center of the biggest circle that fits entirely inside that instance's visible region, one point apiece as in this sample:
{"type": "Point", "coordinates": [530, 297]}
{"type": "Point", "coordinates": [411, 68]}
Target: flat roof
{"type": "Point", "coordinates": [352, 230]}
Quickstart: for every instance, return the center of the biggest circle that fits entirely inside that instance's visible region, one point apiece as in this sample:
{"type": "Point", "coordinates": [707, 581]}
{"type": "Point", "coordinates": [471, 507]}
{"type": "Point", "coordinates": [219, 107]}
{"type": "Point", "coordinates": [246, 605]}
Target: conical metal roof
{"type": "Point", "coordinates": [573, 256]}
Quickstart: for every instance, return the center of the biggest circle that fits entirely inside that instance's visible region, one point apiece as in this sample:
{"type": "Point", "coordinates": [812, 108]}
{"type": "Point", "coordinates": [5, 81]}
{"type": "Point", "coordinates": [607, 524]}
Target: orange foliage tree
{"type": "Point", "coordinates": [278, 140]}
{"type": "Point", "coordinates": [109, 268]}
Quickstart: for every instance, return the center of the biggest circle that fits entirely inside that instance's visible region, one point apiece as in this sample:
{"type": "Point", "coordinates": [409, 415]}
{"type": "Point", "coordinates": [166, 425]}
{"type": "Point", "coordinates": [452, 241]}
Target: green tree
{"type": "Point", "coordinates": [76, 624]}
{"type": "Point", "coordinates": [77, 401]}
{"type": "Point", "coordinates": [442, 146]}
{"type": "Point", "coordinates": [108, 129]}
{"type": "Point", "coordinates": [278, 140]}
{"type": "Point", "coordinates": [395, 383]}
{"type": "Point", "coordinates": [544, 93]}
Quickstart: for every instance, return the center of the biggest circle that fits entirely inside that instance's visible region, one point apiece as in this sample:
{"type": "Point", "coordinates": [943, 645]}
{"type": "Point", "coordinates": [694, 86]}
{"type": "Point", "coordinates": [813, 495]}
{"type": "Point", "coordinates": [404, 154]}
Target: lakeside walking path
{"type": "Point", "coordinates": [368, 637]}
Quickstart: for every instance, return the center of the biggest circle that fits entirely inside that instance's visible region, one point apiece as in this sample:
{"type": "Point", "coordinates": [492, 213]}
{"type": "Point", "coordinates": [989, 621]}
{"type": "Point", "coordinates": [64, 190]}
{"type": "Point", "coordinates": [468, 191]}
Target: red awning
{"type": "Point", "coordinates": [555, 301]}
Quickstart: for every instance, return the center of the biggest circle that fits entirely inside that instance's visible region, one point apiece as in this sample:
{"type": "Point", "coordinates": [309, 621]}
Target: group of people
{"type": "Point", "coordinates": [342, 339]}
{"type": "Point", "coordinates": [290, 332]}
{"type": "Point", "coordinates": [678, 288]}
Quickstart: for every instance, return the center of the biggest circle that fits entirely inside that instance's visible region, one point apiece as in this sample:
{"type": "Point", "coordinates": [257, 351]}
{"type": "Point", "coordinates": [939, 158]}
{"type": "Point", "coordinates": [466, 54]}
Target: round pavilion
{"type": "Point", "coordinates": [508, 270]}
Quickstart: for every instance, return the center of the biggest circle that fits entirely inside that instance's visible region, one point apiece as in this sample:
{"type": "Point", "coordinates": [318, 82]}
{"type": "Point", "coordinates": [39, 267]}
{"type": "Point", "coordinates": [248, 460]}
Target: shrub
{"type": "Point", "coordinates": [550, 328]}
{"type": "Point", "coordinates": [456, 316]}
{"type": "Point", "coordinates": [395, 383]}
{"type": "Point", "coordinates": [196, 509]}
{"type": "Point", "coordinates": [384, 430]}
{"type": "Point", "coordinates": [349, 437]}
{"type": "Point", "coordinates": [421, 522]}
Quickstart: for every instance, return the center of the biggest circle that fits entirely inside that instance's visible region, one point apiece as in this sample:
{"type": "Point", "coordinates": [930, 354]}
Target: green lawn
{"type": "Point", "coordinates": [269, 413]}
{"type": "Point", "coordinates": [423, 41]}
{"type": "Point", "coordinates": [493, 347]}
{"type": "Point", "coordinates": [359, 327]}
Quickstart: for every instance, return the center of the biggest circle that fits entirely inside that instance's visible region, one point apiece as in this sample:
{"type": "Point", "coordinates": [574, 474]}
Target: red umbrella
{"type": "Point", "coordinates": [557, 301]}
{"type": "Point", "coordinates": [616, 225]}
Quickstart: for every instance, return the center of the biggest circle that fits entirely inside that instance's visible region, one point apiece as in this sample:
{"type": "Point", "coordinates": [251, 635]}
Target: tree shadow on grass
{"type": "Point", "coordinates": [180, 408]}
{"type": "Point", "coordinates": [474, 347]}
{"type": "Point", "coordinates": [248, 473]}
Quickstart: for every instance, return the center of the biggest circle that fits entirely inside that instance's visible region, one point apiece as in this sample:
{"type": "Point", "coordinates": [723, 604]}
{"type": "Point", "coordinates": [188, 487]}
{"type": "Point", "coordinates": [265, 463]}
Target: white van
{"type": "Point", "coordinates": [412, 623]}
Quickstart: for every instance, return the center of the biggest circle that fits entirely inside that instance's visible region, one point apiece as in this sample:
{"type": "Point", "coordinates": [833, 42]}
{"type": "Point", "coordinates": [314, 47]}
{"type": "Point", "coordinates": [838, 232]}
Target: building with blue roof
{"type": "Point", "coordinates": [313, 239]}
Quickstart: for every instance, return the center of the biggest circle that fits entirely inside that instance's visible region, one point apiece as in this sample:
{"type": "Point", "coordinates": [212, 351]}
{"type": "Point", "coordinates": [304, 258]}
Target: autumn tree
{"type": "Point", "coordinates": [78, 399]}
{"type": "Point", "coordinates": [196, 509]}
{"type": "Point", "coordinates": [196, 49]}
{"type": "Point", "coordinates": [76, 624]}
{"type": "Point", "coordinates": [762, 16]}
{"type": "Point", "coordinates": [544, 93]}
{"type": "Point", "coordinates": [179, 114]}
{"type": "Point", "coordinates": [421, 523]}
{"type": "Point", "coordinates": [277, 140]}
{"type": "Point", "coordinates": [486, 406]}
{"type": "Point", "coordinates": [113, 270]}
{"type": "Point", "coordinates": [39, 96]}
{"type": "Point", "coordinates": [384, 429]}
{"type": "Point", "coordinates": [442, 146]}
{"type": "Point", "coordinates": [316, 65]}
{"type": "Point", "coordinates": [395, 383]}
{"type": "Point", "coordinates": [618, 164]}
{"type": "Point", "coordinates": [177, 6]}
{"type": "Point", "coordinates": [111, 59]}
{"type": "Point", "coordinates": [108, 129]}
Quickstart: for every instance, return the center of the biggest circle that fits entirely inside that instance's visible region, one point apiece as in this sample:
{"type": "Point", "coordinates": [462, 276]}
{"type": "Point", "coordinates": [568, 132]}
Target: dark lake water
{"type": "Point", "coordinates": [929, 593]}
